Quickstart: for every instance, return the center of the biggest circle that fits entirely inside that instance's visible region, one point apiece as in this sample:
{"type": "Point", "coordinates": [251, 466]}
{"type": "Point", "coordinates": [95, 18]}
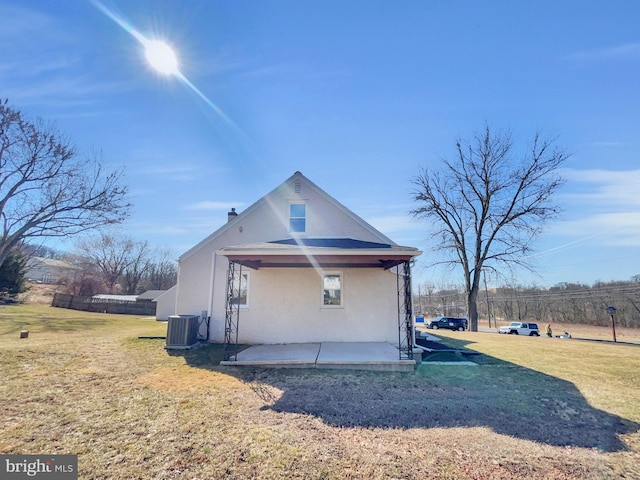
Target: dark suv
{"type": "Point", "coordinates": [452, 323]}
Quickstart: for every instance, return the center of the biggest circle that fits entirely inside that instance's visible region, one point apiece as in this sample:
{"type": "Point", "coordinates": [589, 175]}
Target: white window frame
{"type": "Point", "coordinates": [248, 283]}
{"type": "Point", "coordinates": [306, 216]}
{"type": "Point", "coordinates": [341, 277]}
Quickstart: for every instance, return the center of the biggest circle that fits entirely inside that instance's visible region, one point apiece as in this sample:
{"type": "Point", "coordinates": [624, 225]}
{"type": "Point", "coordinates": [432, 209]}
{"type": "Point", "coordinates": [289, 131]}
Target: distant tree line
{"type": "Point", "coordinates": [111, 262]}
{"type": "Point", "coordinates": [562, 303]}
{"type": "Point", "coordinates": [106, 262]}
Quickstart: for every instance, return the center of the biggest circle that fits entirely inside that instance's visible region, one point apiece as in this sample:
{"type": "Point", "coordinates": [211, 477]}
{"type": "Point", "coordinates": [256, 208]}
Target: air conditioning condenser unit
{"type": "Point", "coordinates": [182, 332]}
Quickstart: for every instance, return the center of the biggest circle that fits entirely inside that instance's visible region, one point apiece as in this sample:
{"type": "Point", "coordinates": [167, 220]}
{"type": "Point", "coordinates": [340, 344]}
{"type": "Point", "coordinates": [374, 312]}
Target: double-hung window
{"type": "Point", "coordinates": [297, 218]}
{"type": "Point", "coordinates": [332, 290]}
{"type": "Point", "coordinates": [241, 289]}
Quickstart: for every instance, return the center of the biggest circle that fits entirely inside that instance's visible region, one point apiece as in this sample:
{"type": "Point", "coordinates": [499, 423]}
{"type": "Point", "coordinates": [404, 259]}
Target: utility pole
{"type": "Point", "coordinates": [612, 312]}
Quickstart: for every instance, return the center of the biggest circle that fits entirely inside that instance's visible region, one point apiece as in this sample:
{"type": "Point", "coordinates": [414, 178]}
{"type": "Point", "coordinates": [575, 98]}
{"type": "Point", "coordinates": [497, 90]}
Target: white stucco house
{"type": "Point", "coordinates": [298, 266]}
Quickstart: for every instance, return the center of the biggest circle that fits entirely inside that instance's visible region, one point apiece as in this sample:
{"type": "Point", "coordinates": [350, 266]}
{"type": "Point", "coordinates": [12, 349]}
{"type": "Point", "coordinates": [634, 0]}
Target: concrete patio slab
{"type": "Point", "coordinates": [282, 355]}
{"type": "Point", "coordinates": [334, 355]}
{"type": "Point", "coordinates": [358, 352]}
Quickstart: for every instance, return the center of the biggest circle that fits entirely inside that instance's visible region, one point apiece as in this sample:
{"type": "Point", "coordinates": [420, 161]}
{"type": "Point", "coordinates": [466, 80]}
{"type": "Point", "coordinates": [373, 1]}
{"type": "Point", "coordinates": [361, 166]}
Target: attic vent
{"type": "Point", "coordinates": [297, 187]}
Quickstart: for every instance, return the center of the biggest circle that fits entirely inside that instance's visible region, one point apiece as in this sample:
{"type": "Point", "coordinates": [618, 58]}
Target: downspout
{"type": "Point", "coordinates": [212, 283]}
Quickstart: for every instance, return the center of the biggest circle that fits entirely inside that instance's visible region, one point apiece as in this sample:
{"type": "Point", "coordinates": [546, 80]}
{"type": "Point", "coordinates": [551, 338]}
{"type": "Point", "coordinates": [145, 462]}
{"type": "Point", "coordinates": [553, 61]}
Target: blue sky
{"type": "Point", "coordinates": [357, 95]}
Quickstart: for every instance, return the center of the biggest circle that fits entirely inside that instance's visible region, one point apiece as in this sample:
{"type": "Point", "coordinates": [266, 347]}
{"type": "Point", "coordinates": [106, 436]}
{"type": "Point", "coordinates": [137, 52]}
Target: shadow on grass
{"type": "Point", "coordinates": [508, 399]}
{"type": "Point", "coordinates": [601, 340]}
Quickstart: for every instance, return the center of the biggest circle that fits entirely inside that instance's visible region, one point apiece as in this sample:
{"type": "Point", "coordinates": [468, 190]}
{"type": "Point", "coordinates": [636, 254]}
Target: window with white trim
{"type": "Point", "coordinates": [297, 217]}
{"type": "Point", "coordinates": [240, 289]}
{"type": "Point", "coordinates": [332, 289]}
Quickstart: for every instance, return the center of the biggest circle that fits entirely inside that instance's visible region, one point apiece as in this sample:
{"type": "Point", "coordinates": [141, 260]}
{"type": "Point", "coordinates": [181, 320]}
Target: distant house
{"type": "Point", "coordinates": [48, 270]}
{"type": "Point", "coordinates": [297, 266]}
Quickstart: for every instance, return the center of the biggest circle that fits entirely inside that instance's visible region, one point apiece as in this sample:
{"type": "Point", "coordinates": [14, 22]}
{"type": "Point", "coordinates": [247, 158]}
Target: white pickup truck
{"type": "Point", "coordinates": [521, 328]}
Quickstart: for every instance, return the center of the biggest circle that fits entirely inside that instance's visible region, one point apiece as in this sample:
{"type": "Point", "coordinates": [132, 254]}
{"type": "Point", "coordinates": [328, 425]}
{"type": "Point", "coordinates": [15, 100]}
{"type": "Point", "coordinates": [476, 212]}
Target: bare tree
{"type": "Point", "coordinates": [488, 204]}
{"type": "Point", "coordinates": [110, 253]}
{"type": "Point", "coordinates": [137, 266]}
{"type": "Point", "coordinates": [47, 189]}
{"type": "Point", "coordinates": [84, 279]}
{"type": "Point", "coordinates": [162, 272]}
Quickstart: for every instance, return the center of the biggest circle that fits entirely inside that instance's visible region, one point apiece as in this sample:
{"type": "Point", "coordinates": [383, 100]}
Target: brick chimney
{"type": "Point", "coordinates": [231, 215]}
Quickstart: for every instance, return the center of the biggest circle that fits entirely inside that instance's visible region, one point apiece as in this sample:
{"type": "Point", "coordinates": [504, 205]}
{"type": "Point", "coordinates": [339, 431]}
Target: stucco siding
{"type": "Point", "coordinates": [267, 222]}
{"type": "Point", "coordinates": [194, 279]}
{"type": "Point", "coordinates": [285, 306]}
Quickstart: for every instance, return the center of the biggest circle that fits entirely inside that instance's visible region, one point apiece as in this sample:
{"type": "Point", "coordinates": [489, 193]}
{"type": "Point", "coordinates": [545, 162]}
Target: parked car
{"type": "Point", "coordinates": [521, 328]}
{"type": "Point", "coordinates": [452, 323]}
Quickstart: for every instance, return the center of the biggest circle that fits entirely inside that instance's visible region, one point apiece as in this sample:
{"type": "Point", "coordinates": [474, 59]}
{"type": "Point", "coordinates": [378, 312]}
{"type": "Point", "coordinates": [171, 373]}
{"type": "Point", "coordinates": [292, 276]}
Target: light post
{"type": "Point", "coordinates": [612, 311]}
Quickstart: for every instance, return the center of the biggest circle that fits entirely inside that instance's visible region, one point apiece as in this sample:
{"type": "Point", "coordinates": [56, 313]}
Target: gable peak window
{"type": "Point", "coordinates": [297, 217]}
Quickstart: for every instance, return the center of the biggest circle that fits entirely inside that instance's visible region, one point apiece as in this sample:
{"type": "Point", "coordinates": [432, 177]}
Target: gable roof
{"type": "Point", "coordinates": [292, 180]}
{"type": "Point", "coordinates": [170, 291]}
{"type": "Point", "coordinates": [51, 263]}
{"type": "Point", "coordinates": [150, 294]}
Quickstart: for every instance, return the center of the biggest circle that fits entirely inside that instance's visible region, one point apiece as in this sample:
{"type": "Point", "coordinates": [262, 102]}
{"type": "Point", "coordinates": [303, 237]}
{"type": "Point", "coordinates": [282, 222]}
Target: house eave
{"type": "Point", "coordinates": [270, 256]}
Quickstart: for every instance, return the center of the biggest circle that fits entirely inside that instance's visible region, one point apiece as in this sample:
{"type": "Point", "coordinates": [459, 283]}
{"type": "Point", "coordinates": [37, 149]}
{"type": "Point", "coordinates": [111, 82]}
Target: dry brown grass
{"type": "Point", "coordinates": [40, 293]}
{"type": "Point", "coordinates": [84, 383]}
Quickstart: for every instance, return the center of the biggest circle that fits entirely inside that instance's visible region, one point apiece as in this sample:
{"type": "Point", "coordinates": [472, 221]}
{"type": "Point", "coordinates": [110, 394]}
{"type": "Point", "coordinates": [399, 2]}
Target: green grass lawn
{"type": "Point", "coordinates": [533, 408]}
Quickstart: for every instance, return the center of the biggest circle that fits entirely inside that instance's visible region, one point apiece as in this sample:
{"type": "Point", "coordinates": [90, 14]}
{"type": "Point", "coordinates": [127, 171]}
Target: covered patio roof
{"type": "Point", "coordinates": [319, 252]}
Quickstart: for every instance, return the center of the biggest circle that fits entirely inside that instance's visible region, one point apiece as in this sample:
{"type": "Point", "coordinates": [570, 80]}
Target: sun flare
{"type": "Point", "coordinates": [161, 57]}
